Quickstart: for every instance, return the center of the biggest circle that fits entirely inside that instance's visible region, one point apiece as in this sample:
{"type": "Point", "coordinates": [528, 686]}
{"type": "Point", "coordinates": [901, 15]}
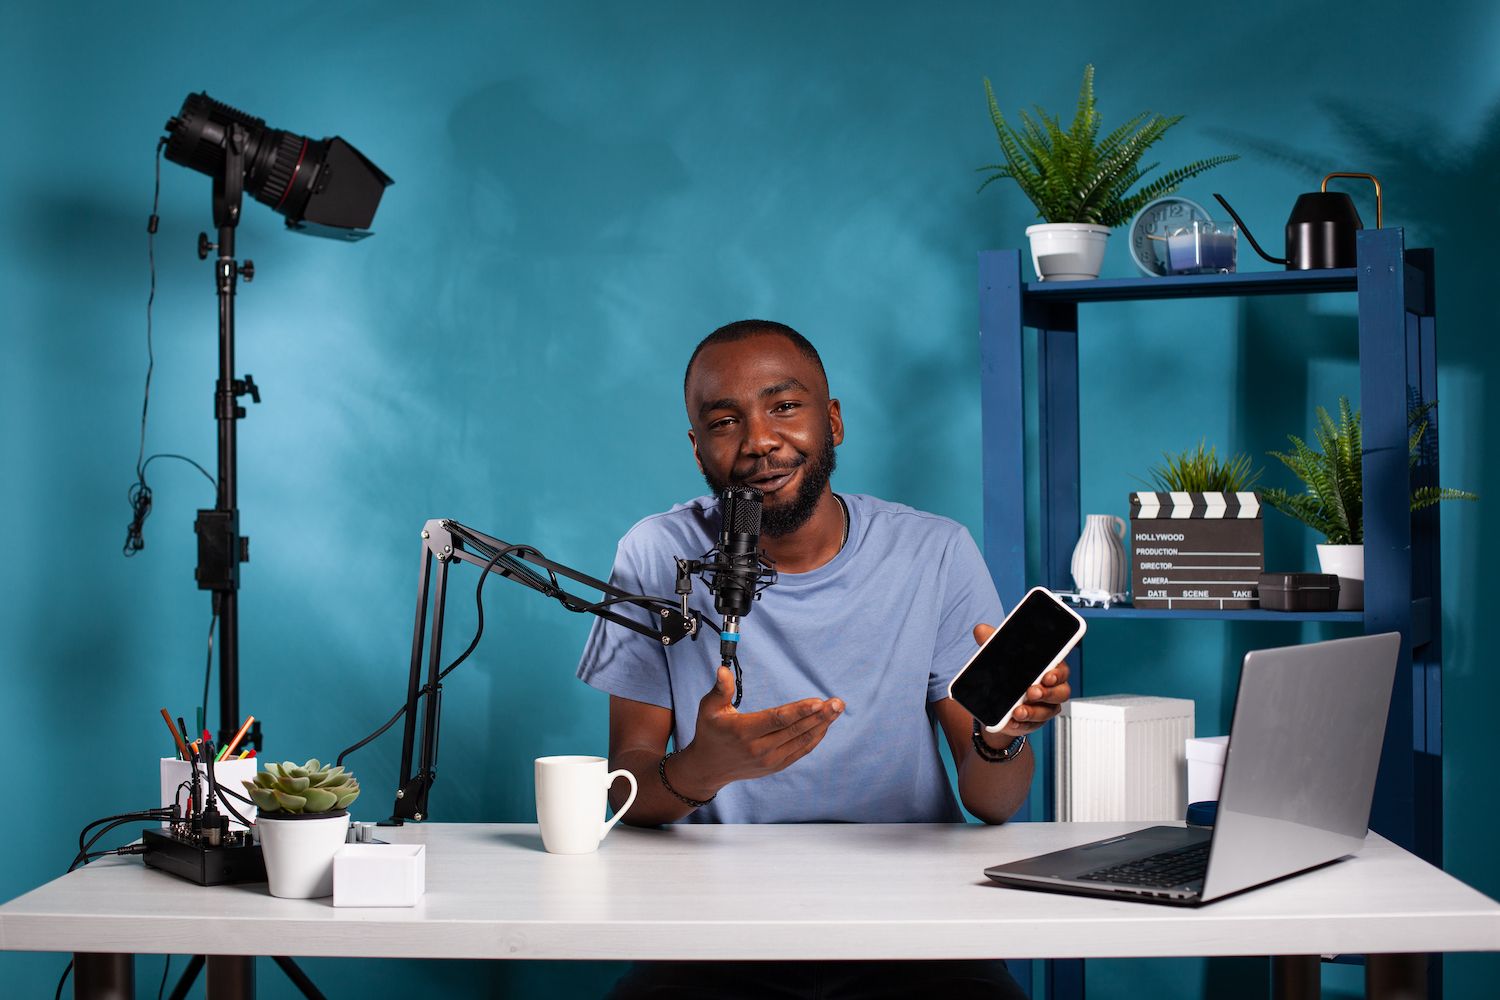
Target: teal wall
{"type": "Point", "coordinates": [583, 191]}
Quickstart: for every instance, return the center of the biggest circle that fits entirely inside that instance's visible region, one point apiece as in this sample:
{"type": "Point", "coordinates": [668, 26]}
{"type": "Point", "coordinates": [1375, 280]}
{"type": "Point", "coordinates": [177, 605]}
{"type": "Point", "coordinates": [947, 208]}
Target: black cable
{"type": "Point", "coordinates": [426, 689]}
{"type": "Point", "coordinates": [529, 579]}
{"type": "Point", "coordinates": [208, 668]}
{"type": "Point", "coordinates": [139, 494]}
{"type": "Point", "coordinates": [221, 793]}
{"type": "Point", "coordinates": [83, 855]}
{"type": "Point", "coordinates": [162, 989]}
{"type": "Point", "coordinates": [158, 813]}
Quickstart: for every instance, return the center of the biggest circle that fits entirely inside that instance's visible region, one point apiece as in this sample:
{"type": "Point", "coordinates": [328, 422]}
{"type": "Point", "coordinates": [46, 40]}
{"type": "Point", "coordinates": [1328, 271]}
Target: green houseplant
{"type": "Point", "coordinates": [1082, 184]}
{"type": "Point", "coordinates": [1200, 470]}
{"type": "Point", "coordinates": [1332, 501]}
{"type": "Point", "coordinates": [302, 822]}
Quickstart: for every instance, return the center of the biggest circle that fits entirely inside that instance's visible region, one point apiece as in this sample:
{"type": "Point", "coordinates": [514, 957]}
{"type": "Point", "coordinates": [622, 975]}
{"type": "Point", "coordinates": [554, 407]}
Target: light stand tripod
{"type": "Point", "coordinates": [221, 547]}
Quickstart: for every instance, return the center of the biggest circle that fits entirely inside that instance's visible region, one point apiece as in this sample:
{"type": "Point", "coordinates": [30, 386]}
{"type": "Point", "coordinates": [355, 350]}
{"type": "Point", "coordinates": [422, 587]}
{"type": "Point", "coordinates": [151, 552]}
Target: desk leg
{"type": "Point", "coordinates": [1396, 977]}
{"type": "Point", "coordinates": [103, 977]}
{"type": "Point", "coordinates": [231, 977]}
{"type": "Point", "coordinates": [1296, 977]}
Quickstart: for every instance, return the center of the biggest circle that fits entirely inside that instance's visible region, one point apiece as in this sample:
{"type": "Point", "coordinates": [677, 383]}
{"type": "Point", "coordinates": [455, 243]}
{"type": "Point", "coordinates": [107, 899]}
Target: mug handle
{"type": "Point", "coordinates": [609, 779]}
{"type": "Point", "coordinates": [1120, 528]}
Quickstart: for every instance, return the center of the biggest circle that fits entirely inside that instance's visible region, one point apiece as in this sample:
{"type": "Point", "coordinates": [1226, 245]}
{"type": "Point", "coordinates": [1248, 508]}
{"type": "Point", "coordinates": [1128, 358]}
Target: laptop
{"type": "Point", "coordinates": [1298, 781]}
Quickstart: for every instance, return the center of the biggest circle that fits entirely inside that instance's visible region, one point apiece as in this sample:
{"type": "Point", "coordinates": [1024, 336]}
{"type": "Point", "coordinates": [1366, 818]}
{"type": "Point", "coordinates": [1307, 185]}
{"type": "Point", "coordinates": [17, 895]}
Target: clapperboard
{"type": "Point", "coordinates": [1196, 551]}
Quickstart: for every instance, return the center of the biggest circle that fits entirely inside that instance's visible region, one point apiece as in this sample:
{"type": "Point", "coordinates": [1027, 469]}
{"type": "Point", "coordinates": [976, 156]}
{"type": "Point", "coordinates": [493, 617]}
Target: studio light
{"type": "Point", "coordinates": [324, 187]}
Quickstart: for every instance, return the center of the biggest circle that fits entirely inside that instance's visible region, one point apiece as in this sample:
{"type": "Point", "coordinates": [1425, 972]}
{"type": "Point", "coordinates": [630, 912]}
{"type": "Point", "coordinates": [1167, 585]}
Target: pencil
{"type": "Point", "coordinates": [234, 743]}
{"type": "Point", "coordinates": [176, 736]}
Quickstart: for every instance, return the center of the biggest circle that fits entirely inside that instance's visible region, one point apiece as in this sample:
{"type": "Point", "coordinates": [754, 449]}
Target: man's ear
{"type": "Point", "coordinates": [836, 421]}
{"type": "Point", "coordinates": [693, 440]}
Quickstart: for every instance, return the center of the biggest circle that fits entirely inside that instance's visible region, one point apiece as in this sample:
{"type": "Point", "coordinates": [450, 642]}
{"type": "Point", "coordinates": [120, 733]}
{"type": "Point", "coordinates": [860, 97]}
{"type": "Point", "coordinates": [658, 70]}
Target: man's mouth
{"type": "Point", "coordinates": [771, 480]}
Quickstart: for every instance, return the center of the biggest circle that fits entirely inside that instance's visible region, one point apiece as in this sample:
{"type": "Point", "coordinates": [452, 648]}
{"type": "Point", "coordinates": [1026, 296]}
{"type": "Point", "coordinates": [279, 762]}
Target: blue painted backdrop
{"type": "Point", "coordinates": [583, 191]}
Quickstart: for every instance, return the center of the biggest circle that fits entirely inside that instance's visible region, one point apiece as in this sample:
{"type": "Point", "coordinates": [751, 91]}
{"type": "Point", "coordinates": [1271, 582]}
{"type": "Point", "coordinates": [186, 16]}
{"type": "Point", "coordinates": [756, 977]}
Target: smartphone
{"type": "Point", "coordinates": [1033, 639]}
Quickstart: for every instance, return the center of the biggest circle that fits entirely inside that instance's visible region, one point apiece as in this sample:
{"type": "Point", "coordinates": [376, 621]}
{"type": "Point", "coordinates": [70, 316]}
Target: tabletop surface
{"type": "Point", "coordinates": [815, 891]}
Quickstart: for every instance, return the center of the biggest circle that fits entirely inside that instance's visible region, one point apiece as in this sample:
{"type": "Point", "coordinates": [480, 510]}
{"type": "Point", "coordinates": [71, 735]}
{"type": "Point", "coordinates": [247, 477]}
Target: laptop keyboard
{"type": "Point", "coordinates": [1169, 868]}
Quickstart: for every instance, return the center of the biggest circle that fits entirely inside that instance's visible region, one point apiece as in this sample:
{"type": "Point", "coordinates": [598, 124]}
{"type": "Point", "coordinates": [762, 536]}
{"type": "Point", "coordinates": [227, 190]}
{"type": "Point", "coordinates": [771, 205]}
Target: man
{"type": "Point", "coordinates": [846, 659]}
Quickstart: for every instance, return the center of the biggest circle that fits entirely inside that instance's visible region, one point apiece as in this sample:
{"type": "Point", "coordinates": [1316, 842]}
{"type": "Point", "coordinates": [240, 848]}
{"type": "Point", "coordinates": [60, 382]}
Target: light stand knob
{"type": "Point", "coordinates": [205, 247]}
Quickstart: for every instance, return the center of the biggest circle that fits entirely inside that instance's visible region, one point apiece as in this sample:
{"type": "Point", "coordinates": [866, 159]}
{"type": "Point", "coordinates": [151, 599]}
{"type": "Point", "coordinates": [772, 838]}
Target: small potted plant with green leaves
{"type": "Point", "coordinates": [1197, 539]}
{"type": "Point", "coordinates": [1079, 181]}
{"type": "Point", "coordinates": [1332, 501]}
{"type": "Point", "coordinates": [302, 822]}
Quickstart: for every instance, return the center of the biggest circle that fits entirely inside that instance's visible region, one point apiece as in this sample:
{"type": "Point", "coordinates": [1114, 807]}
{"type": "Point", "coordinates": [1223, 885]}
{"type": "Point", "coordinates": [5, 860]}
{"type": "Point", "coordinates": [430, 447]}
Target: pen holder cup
{"type": "Point", "coordinates": [230, 774]}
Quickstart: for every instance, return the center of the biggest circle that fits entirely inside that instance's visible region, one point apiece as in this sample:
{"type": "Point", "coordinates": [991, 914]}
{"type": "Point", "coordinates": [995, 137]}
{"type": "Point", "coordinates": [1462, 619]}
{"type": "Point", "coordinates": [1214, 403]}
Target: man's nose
{"type": "Point", "coordinates": [760, 438]}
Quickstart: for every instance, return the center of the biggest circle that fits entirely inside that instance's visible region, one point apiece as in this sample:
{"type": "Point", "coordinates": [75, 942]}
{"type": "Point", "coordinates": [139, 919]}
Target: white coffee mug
{"type": "Point", "coordinates": [571, 796]}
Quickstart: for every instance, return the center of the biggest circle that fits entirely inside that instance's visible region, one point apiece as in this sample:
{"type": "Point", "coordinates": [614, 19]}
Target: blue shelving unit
{"type": "Point", "coordinates": [1398, 371]}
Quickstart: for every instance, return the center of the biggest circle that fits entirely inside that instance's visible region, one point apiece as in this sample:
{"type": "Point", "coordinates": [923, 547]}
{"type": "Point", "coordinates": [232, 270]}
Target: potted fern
{"type": "Point", "coordinates": [1200, 503]}
{"type": "Point", "coordinates": [303, 820]}
{"type": "Point", "coordinates": [1332, 502]}
{"type": "Point", "coordinates": [1081, 183]}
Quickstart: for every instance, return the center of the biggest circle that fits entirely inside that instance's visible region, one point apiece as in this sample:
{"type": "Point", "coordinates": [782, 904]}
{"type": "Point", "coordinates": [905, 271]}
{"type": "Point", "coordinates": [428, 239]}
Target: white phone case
{"type": "Point", "coordinates": [1061, 654]}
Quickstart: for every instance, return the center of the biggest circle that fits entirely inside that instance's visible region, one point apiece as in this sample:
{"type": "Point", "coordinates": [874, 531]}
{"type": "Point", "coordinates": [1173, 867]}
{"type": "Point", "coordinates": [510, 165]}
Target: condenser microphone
{"type": "Point", "coordinates": [739, 543]}
{"type": "Point", "coordinates": [738, 575]}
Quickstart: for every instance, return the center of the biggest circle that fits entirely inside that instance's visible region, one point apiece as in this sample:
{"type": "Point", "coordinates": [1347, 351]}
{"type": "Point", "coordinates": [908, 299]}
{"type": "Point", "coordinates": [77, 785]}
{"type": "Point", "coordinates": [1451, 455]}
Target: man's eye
{"type": "Point", "coordinates": [721, 423]}
{"type": "Point", "coordinates": [786, 406]}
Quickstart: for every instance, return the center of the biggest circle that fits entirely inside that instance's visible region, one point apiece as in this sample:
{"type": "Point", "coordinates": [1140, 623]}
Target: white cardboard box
{"type": "Point", "coordinates": [1120, 757]}
{"type": "Point", "coordinates": [230, 774]}
{"type": "Point", "coordinates": [1205, 765]}
{"type": "Point", "coordinates": [379, 874]}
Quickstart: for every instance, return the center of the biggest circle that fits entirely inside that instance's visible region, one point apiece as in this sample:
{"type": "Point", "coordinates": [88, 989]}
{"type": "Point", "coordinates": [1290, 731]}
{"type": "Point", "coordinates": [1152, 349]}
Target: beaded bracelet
{"type": "Point", "coordinates": [661, 769]}
{"type": "Point", "coordinates": [990, 754]}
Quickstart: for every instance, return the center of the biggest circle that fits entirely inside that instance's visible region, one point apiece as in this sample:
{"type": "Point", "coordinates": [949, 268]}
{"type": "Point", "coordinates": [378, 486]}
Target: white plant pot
{"type": "Point", "coordinates": [1347, 562]}
{"type": "Point", "coordinates": [1067, 251]}
{"type": "Point", "coordinates": [299, 850]}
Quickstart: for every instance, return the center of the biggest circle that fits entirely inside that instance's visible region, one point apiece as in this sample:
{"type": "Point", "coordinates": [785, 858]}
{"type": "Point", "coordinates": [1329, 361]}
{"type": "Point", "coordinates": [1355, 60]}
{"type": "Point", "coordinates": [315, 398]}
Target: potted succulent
{"type": "Point", "coordinates": [1201, 504]}
{"type": "Point", "coordinates": [1079, 182]}
{"type": "Point", "coordinates": [1332, 503]}
{"type": "Point", "coordinates": [303, 820]}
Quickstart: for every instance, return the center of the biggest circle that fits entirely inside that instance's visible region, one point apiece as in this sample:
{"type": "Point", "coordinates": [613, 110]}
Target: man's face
{"type": "Point", "coordinates": [761, 417]}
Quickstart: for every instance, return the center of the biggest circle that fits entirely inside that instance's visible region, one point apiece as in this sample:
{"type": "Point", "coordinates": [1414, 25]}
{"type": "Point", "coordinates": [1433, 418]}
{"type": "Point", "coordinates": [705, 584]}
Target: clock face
{"type": "Point", "coordinates": [1149, 254]}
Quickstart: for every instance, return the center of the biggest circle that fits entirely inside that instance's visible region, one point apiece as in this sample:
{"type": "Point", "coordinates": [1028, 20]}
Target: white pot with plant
{"type": "Point", "coordinates": [1080, 183]}
{"type": "Point", "coordinates": [1333, 502]}
{"type": "Point", "coordinates": [302, 823]}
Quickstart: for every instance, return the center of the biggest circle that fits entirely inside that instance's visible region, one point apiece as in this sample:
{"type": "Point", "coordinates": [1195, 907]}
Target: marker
{"type": "Point", "coordinates": [234, 743]}
{"type": "Point", "coordinates": [176, 736]}
{"type": "Point", "coordinates": [244, 754]}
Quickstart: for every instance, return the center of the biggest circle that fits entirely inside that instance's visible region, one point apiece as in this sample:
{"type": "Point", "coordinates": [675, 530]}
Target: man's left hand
{"type": "Point", "coordinates": [1043, 701]}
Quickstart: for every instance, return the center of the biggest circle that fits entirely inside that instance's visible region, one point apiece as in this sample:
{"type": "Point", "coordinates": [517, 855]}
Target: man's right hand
{"type": "Point", "coordinates": [732, 746]}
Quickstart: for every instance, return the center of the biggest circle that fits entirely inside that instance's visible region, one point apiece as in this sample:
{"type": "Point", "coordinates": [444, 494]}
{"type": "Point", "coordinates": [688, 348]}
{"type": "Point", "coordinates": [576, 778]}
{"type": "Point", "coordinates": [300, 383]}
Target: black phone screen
{"type": "Point", "coordinates": [1014, 657]}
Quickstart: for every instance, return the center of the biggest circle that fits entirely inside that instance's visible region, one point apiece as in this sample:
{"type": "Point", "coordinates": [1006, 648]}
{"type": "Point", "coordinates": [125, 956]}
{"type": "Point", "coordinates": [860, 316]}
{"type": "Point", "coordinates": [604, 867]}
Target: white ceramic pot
{"type": "Point", "coordinates": [1347, 562]}
{"type": "Point", "coordinates": [299, 850]}
{"type": "Point", "coordinates": [1067, 251]}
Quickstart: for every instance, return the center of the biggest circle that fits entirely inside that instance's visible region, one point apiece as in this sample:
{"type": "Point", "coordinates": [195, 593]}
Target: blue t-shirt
{"type": "Point", "coordinates": [884, 626]}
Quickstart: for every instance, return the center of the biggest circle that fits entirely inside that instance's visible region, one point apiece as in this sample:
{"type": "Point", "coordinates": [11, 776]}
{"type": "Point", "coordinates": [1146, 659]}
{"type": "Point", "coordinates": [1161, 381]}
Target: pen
{"type": "Point", "coordinates": [176, 736]}
{"type": "Point", "coordinates": [234, 743]}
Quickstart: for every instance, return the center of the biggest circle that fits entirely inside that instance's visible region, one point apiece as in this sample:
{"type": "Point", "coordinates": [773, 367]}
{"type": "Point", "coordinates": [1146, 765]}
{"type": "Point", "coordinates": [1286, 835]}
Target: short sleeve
{"type": "Point", "coordinates": [968, 599]}
{"type": "Point", "coordinates": [617, 660]}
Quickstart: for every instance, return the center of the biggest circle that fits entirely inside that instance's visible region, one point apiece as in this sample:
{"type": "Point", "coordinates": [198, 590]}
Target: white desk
{"type": "Point", "coordinates": [755, 892]}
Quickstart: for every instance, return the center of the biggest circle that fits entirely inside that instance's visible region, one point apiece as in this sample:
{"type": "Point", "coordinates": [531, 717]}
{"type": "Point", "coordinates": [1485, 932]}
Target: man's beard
{"type": "Point", "coordinates": [783, 519]}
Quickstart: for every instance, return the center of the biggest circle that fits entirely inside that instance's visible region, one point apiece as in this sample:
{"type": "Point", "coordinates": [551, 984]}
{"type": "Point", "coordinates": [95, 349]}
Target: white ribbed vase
{"type": "Point", "coordinates": [1099, 561]}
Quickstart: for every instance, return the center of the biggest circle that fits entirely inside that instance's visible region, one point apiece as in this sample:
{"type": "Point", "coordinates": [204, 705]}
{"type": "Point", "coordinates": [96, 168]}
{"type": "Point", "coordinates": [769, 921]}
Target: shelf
{"type": "Point", "coordinates": [1196, 286]}
{"type": "Point", "coordinates": [1165, 614]}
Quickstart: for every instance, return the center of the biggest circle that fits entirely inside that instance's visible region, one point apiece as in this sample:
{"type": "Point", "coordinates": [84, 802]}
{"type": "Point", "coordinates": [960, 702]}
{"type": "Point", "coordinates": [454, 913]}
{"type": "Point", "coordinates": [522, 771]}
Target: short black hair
{"type": "Point", "coordinates": [746, 328]}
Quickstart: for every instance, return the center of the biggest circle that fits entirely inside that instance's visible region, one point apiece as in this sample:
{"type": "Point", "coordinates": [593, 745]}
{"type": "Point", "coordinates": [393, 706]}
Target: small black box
{"type": "Point", "coordinates": [1299, 591]}
{"type": "Point", "coordinates": [225, 865]}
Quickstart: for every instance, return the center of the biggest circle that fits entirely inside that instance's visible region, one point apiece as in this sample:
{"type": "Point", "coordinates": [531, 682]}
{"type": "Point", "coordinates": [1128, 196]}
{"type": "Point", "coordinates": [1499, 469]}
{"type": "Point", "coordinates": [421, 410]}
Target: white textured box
{"type": "Point", "coordinates": [1121, 757]}
{"type": "Point", "coordinates": [379, 874]}
{"type": "Point", "coordinates": [229, 773]}
{"type": "Point", "coordinates": [1205, 764]}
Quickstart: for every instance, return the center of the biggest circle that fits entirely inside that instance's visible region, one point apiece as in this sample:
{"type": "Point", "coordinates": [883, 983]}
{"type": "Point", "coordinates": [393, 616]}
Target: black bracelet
{"type": "Point", "coordinates": [989, 753]}
{"type": "Point", "coordinates": [661, 769]}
